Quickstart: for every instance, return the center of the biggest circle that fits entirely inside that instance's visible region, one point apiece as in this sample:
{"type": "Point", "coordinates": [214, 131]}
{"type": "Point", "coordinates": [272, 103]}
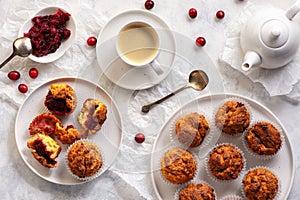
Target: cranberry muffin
{"type": "Point", "coordinates": [225, 162]}
{"type": "Point", "coordinates": [61, 99]}
{"type": "Point", "coordinates": [84, 159]}
{"type": "Point", "coordinates": [197, 191]}
{"type": "Point", "coordinates": [263, 138]}
{"type": "Point", "coordinates": [192, 129]}
{"type": "Point", "coordinates": [44, 123]}
{"type": "Point", "coordinates": [260, 184]}
{"type": "Point", "coordinates": [44, 149]}
{"type": "Point", "coordinates": [92, 115]}
{"type": "Point", "coordinates": [178, 166]}
{"type": "Point", "coordinates": [232, 118]}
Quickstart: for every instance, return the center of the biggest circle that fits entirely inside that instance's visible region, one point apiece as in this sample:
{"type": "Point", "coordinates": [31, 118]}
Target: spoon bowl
{"type": "Point", "coordinates": [198, 80]}
{"type": "Point", "coordinates": [21, 47]}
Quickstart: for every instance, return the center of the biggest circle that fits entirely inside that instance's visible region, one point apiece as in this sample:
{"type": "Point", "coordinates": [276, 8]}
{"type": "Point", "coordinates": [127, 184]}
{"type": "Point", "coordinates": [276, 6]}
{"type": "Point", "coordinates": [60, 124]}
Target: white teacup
{"type": "Point", "coordinates": [138, 45]}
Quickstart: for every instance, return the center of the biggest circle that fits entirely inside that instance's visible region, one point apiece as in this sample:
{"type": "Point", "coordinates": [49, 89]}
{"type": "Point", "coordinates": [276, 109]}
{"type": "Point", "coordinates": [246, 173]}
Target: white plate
{"type": "Point", "coordinates": [65, 45]}
{"type": "Point", "coordinates": [123, 74]}
{"type": "Point", "coordinates": [108, 138]}
{"type": "Point", "coordinates": [283, 164]}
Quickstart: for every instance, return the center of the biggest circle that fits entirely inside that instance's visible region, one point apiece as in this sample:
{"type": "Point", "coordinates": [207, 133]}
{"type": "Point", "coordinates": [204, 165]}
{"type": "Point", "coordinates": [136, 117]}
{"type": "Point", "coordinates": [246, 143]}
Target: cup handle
{"type": "Point", "coordinates": [156, 67]}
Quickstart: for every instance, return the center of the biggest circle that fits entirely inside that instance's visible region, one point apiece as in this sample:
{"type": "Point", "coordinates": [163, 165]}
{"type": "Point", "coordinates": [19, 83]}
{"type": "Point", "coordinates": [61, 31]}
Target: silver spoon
{"type": "Point", "coordinates": [198, 80]}
{"type": "Point", "coordinates": [21, 47]}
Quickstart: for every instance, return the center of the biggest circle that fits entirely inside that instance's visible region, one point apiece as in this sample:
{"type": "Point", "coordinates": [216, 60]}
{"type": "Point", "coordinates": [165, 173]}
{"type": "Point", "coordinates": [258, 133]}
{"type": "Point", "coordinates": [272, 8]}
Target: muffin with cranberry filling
{"type": "Point", "coordinates": [92, 115]}
{"type": "Point", "coordinates": [61, 99]}
{"type": "Point", "coordinates": [45, 123]}
{"type": "Point", "coordinates": [44, 148]}
{"type": "Point", "coordinates": [197, 191]}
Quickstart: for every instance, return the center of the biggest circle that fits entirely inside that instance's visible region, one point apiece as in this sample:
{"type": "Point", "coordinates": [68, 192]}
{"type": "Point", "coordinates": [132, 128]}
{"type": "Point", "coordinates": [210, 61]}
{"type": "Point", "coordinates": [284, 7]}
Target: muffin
{"type": "Point", "coordinates": [92, 115]}
{"type": "Point", "coordinates": [44, 123]}
{"type": "Point", "coordinates": [191, 129]}
{"type": "Point", "coordinates": [232, 197]}
{"type": "Point", "coordinates": [232, 118]}
{"type": "Point", "coordinates": [45, 149]}
{"type": "Point", "coordinates": [260, 183]}
{"type": "Point", "coordinates": [61, 99]}
{"type": "Point", "coordinates": [225, 162]}
{"type": "Point", "coordinates": [200, 191]}
{"type": "Point", "coordinates": [69, 134]}
{"type": "Point", "coordinates": [84, 159]}
{"type": "Point", "coordinates": [178, 166]}
{"type": "Point", "coordinates": [263, 138]}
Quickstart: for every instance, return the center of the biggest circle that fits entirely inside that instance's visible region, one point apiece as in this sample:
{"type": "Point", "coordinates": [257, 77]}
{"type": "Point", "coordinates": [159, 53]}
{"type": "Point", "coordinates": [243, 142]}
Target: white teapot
{"type": "Point", "coordinates": [270, 39]}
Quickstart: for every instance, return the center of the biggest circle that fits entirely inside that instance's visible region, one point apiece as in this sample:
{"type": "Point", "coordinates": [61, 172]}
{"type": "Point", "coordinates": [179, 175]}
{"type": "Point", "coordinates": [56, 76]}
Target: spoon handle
{"type": "Point", "coordinates": [7, 60]}
{"type": "Point", "coordinates": [146, 108]}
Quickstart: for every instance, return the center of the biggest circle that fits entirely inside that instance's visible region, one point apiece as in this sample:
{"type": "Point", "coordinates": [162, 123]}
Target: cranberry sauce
{"type": "Point", "coordinates": [48, 32]}
{"type": "Point", "coordinates": [41, 150]}
{"type": "Point", "coordinates": [57, 106]}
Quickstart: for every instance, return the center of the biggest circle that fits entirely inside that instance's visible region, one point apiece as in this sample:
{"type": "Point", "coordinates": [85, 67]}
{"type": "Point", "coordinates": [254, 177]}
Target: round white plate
{"type": "Point", "coordinates": [65, 45]}
{"type": "Point", "coordinates": [123, 74]}
{"type": "Point", "coordinates": [108, 138]}
{"type": "Point", "coordinates": [283, 164]}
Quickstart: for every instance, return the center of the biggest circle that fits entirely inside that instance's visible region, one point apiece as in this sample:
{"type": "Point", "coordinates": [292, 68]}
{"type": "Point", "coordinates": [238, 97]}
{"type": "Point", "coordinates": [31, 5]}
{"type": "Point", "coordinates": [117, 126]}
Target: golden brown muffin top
{"type": "Point", "coordinates": [191, 129]}
{"type": "Point", "coordinates": [178, 166]}
{"type": "Point", "coordinates": [260, 184]}
{"type": "Point", "coordinates": [44, 148]}
{"type": "Point", "coordinates": [263, 138]}
{"type": "Point", "coordinates": [84, 159]}
{"type": "Point", "coordinates": [232, 118]}
{"type": "Point", "coordinates": [197, 191]}
{"type": "Point", "coordinates": [226, 162]}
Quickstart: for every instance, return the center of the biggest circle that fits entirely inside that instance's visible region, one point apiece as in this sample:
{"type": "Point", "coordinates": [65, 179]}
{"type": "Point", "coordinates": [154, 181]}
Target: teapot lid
{"type": "Point", "coordinates": [274, 33]}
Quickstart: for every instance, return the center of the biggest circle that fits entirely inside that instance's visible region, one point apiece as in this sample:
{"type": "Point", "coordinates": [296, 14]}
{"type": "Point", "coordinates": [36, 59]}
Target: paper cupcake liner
{"type": "Point", "coordinates": [256, 155]}
{"type": "Point", "coordinates": [232, 197]}
{"type": "Point", "coordinates": [235, 99]}
{"type": "Point", "coordinates": [90, 177]}
{"type": "Point", "coordinates": [173, 136]}
{"type": "Point", "coordinates": [214, 178]}
{"type": "Point", "coordinates": [279, 192]}
{"type": "Point", "coordinates": [166, 181]}
{"type": "Point", "coordinates": [177, 193]}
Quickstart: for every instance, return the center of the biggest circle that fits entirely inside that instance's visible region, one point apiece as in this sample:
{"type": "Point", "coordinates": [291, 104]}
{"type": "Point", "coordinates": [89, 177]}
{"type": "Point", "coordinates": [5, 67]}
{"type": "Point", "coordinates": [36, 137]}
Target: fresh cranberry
{"type": "Point", "coordinates": [193, 13]}
{"type": "Point", "coordinates": [33, 73]}
{"type": "Point", "coordinates": [200, 41]}
{"type": "Point", "coordinates": [91, 41]}
{"type": "Point", "coordinates": [13, 75]}
{"type": "Point", "coordinates": [149, 4]}
{"type": "Point", "coordinates": [139, 138]}
{"type": "Point", "coordinates": [220, 14]}
{"type": "Point", "coordinates": [23, 88]}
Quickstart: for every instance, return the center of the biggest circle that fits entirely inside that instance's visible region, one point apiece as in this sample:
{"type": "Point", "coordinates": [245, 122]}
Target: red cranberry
{"type": "Point", "coordinates": [91, 41]}
{"type": "Point", "coordinates": [139, 138]}
{"type": "Point", "coordinates": [200, 41]}
{"type": "Point", "coordinates": [220, 14]}
{"type": "Point", "coordinates": [13, 75]}
{"type": "Point", "coordinates": [23, 88]}
{"type": "Point", "coordinates": [193, 13]}
{"type": "Point", "coordinates": [149, 4]}
{"type": "Point", "coordinates": [33, 73]}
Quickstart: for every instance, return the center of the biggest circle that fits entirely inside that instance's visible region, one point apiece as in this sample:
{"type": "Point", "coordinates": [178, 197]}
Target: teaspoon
{"type": "Point", "coordinates": [198, 80]}
{"type": "Point", "coordinates": [21, 47]}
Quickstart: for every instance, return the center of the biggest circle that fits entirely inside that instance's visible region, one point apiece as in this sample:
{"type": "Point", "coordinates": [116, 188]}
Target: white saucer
{"type": "Point", "coordinates": [123, 74]}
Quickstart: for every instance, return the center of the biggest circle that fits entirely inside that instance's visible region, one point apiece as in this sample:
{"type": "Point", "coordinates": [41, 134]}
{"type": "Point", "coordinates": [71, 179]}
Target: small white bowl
{"type": "Point", "coordinates": [65, 45]}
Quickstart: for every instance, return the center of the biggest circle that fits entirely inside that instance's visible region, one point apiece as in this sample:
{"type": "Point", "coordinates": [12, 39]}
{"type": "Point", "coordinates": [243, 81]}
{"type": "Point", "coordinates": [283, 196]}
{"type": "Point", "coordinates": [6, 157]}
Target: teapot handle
{"type": "Point", "coordinates": [290, 14]}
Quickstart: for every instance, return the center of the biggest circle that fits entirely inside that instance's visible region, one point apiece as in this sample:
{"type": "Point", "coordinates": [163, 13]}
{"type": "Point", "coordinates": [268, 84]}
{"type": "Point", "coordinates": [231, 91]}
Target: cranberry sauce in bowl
{"type": "Point", "coordinates": [52, 31]}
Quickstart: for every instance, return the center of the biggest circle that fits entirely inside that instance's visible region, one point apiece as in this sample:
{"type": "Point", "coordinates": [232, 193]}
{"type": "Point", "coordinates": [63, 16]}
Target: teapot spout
{"type": "Point", "coordinates": [290, 14]}
{"type": "Point", "coordinates": [251, 59]}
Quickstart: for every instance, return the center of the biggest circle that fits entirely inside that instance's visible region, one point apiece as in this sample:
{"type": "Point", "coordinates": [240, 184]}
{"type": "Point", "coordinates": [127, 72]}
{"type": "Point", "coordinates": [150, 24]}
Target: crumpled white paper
{"type": "Point", "coordinates": [281, 81]}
